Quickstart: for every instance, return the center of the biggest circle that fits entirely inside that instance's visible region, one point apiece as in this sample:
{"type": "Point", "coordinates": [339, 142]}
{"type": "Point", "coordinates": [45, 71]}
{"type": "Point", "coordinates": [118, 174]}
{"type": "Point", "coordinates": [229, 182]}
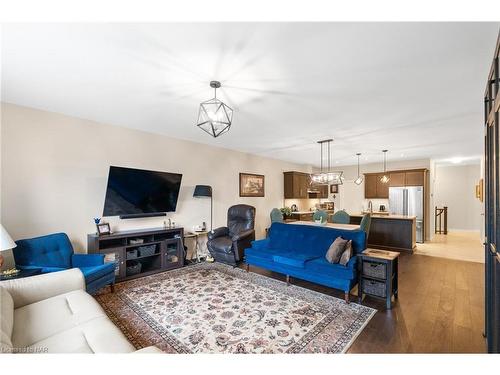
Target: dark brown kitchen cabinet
{"type": "Point", "coordinates": [382, 189]}
{"type": "Point", "coordinates": [414, 178]}
{"type": "Point", "coordinates": [318, 191]}
{"type": "Point", "coordinates": [397, 179]}
{"type": "Point", "coordinates": [370, 186]}
{"type": "Point", "coordinates": [374, 188]}
{"type": "Point", "coordinates": [296, 185]}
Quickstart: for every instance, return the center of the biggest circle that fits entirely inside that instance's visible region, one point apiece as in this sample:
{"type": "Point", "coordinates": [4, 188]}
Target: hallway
{"type": "Point", "coordinates": [458, 245]}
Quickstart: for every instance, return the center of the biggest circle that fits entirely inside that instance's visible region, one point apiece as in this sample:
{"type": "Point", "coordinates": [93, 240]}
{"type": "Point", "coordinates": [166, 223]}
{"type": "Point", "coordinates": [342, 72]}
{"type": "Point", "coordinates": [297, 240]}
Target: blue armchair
{"type": "Point", "coordinates": [54, 252]}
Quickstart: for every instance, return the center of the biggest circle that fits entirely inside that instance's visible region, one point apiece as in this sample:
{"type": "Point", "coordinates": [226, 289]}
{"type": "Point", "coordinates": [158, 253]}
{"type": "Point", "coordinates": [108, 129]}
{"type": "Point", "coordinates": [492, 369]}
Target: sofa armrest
{"type": "Point", "coordinates": [353, 262]}
{"type": "Point", "coordinates": [87, 260]}
{"type": "Point", "coordinates": [32, 289]}
{"type": "Point", "coordinates": [148, 350]}
{"type": "Point", "coordinates": [242, 235]}
{"type": "Point", "coordinates": [260, 244]}
{"type": "Point", "coordinates": [218, 232]}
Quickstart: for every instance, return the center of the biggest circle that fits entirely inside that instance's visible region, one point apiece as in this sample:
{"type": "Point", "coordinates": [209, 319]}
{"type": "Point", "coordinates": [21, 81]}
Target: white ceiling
{"type": "Point", "coordinates": [413, 88]}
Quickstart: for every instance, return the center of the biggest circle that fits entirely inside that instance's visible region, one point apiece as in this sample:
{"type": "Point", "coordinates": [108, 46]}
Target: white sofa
{"type": "Point", "coordinates": [52, 313]}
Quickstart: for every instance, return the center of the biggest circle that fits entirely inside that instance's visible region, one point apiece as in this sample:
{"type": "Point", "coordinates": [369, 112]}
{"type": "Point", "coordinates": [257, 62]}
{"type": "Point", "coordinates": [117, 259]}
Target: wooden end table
{"type": "Point", "coordinates": [378, 275]}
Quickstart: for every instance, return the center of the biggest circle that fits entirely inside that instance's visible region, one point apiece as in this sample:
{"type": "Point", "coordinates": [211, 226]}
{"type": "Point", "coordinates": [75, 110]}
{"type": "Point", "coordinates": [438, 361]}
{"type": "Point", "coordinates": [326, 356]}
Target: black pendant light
{"type": "Point", "coordinates": [214, 116]}
{"type": "Point", "coordinates": [385, 178]}
{"type": "Point", "coordinates": [359, 179]}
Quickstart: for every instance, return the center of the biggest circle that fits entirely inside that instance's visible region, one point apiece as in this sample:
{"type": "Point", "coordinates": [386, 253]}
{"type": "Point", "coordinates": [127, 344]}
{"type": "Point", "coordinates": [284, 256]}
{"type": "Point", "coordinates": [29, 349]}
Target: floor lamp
{"type": "Point", "coordinates": [205, 191]}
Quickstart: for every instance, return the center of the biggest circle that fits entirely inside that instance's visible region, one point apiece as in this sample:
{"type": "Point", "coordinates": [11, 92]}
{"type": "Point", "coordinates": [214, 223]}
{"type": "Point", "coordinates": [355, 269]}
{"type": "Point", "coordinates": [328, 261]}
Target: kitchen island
{"type": "Point", "coordinates": [391, 232]}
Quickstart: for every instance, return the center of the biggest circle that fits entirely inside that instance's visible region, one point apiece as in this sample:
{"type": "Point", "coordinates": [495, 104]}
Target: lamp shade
{"type": "Point", "coordinates": [6, 242]}
{"type": "Point", "coordinates": [202, 191]}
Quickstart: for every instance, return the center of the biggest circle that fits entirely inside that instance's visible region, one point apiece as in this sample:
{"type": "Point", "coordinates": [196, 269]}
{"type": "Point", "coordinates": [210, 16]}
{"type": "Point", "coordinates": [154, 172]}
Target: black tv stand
{"type": "Point", "coordinates": [162, 250]}
{"type": "Point", "coordinates": [136, 216]}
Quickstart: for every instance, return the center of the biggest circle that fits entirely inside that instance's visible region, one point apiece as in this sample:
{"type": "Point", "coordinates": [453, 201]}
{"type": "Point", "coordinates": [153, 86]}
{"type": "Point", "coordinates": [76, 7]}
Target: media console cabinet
{"type": "Point", "coordinates": [139, 253]}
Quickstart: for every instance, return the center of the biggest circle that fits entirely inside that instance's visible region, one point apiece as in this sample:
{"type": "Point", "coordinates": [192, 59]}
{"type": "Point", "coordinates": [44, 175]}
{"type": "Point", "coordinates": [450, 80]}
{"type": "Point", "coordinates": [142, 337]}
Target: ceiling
{"type": "Point", "coordinates": [413, 88]}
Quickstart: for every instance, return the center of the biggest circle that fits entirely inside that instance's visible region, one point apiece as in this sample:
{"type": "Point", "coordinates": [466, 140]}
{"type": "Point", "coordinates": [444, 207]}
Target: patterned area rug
{"type": "Point", "coordinates": [213, 308]}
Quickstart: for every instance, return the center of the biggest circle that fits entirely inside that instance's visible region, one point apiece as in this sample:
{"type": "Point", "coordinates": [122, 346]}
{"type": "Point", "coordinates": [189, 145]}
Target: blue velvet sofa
{"type": "Point", "coordinates": [54, 252]}
{"type": "Point", "coordinates": [299, 251]}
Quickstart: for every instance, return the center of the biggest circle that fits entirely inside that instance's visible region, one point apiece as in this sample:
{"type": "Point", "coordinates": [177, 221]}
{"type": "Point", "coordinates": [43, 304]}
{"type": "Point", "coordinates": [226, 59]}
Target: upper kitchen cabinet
{"type": "Point", "coordinates": [296, 185]}
{"type": "Point", "coordinates": [382, 189]}
{"type": "Point", "coordinates": [371, 186]}
{"type": "Point", "coordinates": [374, 188]}
{"type": "Point", "coordinates": [415, 178]}
{"type": "Point", "coordinates": [397, 179]}
{"type": "Point", "coordinates": [318, 191]}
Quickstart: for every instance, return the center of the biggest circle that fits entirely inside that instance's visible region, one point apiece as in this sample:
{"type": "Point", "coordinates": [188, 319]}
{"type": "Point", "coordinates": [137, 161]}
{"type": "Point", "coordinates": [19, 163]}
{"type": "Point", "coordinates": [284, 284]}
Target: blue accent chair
{"type": "Point", "coordinates": [299, 251]}
{"type": "Point", "coordinates": [54, 252]}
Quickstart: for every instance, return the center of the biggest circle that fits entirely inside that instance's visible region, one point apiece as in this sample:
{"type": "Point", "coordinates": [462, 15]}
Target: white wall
{"type": "Point", "coordinates": [54, 174]}
{"type": "Point", "coordinates": [454, 187]}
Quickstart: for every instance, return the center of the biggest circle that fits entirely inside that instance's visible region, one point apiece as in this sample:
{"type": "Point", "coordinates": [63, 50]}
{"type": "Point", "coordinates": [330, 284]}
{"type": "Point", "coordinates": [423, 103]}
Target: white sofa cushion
{"type": "Point", "coordinates": [28, 290]}
{"type": "Point", "coordinates": [98, 335]}
{"type": "Point", "coordinates": [43, 319]}
{"type": "Point", "coordinates": [6, 321]}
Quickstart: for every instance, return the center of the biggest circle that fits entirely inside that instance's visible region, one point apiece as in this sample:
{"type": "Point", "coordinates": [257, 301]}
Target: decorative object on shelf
{"type": "Point", "coordinates": [286, 211]}
{"type": "Point", "coordinates": [251, 185]}
{"type": "Point", "coordinates": [385, 178]}
{"type": "Point", "coordinates": [334, 189]}
{"type": "Point", "coordinates": [359, 179]}
{"type": "Point", "coordinates": [479, 190]}
{"type": "Point", "coordinates": [103, 228]}
{"type": "Point", "coordinates": [201, 191]}
{"type": "Point", "coordinates": [328, 176]}
{"type": "Point", "coordinates": [6, 243]}
{"type": "Point", "coordinates": [214, 116]}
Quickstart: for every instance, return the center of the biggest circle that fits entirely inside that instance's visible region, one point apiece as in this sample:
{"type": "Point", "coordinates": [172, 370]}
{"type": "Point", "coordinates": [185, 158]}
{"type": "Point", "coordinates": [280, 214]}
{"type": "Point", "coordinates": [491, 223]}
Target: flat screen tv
{"type": "Point", "coordinates": [140, 193]}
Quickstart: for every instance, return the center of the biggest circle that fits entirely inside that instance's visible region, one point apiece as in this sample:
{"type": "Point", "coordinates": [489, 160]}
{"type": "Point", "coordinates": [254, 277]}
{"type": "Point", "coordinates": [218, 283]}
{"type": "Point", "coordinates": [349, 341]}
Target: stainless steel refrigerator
{"type": "Point", "coordinates": [409, 201]}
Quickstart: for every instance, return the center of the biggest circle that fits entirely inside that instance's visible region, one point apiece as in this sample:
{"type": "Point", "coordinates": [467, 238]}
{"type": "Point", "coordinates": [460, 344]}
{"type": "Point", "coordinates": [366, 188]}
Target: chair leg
{"type": "Point", "coordinates": [247, 267]}
{"type": "Point", "coordinates": [346, 297]}
{"type": "Point", "coordinates": [287, 280]}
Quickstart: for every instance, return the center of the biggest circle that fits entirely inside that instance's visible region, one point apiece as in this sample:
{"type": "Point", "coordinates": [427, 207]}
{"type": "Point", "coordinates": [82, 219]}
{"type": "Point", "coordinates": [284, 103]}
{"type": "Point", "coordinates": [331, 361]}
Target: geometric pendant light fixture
{"type": "Point", "coordinates": [214, 116]}
{"type": "Point", "coordinates": [359, 179]}
{"type": "Point", "coordinates": [385, 178]}
{"type": "Point", "coordinates": [326, 177]}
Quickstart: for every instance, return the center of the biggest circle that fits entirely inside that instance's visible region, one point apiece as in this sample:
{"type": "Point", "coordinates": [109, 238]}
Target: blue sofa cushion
{"type": "Point", "coordinates": [263, 253]}
{"type": "Point", "coordinates": [293, 259]}
{"type": "Point", "coordinates": [53, 250]}
{"type": "Point", "coordinates": [96, 272]}
{"type": "Point", "coordinates": [322, 266]}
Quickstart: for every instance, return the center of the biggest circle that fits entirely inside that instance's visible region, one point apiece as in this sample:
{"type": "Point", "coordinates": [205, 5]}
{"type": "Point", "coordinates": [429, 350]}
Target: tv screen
{"type": "Point", "coordinates": [140, 192]}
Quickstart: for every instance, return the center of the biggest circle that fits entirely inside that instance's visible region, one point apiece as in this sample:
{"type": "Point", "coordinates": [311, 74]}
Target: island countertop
{"type": "Point", "coordinates": [387, 216]}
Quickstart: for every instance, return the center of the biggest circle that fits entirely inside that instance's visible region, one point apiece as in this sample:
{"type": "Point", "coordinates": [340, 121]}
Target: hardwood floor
{"type": "Point", "coordinates": [440, 308]}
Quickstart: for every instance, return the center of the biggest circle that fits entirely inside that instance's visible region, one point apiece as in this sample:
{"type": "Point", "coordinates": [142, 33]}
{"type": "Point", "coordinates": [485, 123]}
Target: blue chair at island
{"type": "Point", "coordinates": [276, 216]}
{"type": "Point", "coordinates": [341, 217]}
{"type": "Point", "coordinates": [54, 252]}
{"type": "Point", "coordinates": [320, 216]}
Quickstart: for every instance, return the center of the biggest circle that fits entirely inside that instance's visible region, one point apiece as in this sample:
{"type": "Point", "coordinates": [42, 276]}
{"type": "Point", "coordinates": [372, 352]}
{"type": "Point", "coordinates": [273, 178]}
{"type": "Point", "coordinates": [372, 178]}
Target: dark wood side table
{"type": "Point", "coordinates": [378, 275]}
{"type": "Point", "coordinates": [21, 274]}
